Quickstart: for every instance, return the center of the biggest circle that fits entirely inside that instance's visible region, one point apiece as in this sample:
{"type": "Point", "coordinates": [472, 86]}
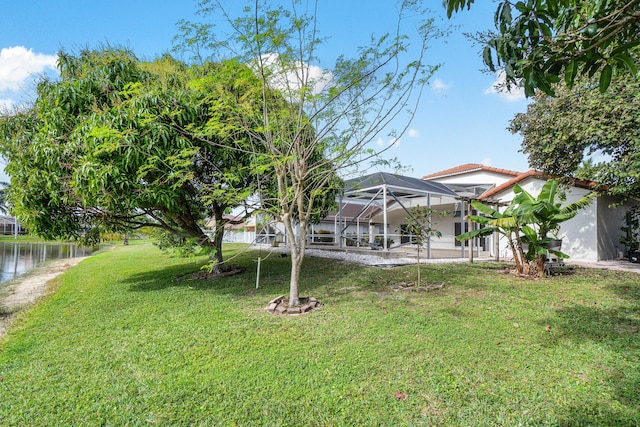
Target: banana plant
{"type": "Point", "coordinates": [506, 223]}
{"type": "Point", "coordinates": [544, 214]}
{"type": "Point", "coordinates": [531, 220]}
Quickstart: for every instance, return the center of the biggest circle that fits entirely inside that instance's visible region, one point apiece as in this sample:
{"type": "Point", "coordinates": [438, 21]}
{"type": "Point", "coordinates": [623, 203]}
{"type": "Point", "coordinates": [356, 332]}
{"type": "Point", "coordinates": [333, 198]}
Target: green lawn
{"type": "Point", "coordinates": [21, 238]}
{"type": "Point", "coordinates": [121, 342]}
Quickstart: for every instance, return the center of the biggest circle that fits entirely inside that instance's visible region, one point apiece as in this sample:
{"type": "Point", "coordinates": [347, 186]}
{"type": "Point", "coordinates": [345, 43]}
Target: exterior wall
{"type": "Point", "coordinates": [475, 177]}
{"type": "Point", "coordinates": [579, 235]}
{"type": "Point", "coordinates": [594, 233]}
{"type": "Point", "coordinates": [239, 236]}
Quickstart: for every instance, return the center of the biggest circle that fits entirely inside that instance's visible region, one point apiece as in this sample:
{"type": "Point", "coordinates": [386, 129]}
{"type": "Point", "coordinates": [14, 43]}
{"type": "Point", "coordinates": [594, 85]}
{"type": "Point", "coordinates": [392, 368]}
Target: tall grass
{"type": "Point", "coordinates": [122, 342]}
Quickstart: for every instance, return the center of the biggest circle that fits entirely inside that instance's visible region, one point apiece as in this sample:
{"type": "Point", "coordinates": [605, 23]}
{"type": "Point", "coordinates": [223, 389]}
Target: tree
{"type": "Point", "coordinates": [420, 226]}
{"type": "Point", "coordinates": [538, 42]}
{"type": "Point", "coordinates": [507, 223]}
{"type": "Point", "coordinates": [111, 147]}
{"type": "Point", "coordinates": [581, 124]}
{"type": "Point", "coordinates": [528, 220]}
{"type": "Point", "coordinates": [543, 215]}
{"type": "Point", "coordinates": [3, 197]}
{"type": "Point", "coordinates": [328, 117]}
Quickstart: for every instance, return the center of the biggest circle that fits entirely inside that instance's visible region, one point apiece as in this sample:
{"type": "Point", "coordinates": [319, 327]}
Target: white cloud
{"type": "Point", "coordinates": [6, 105]}
{"type": "Point", "coordinates": [499, 86]}
{"type": "Point", "coordinates": [387, 143]}
{"type": "Point", "coordinates": [440, 87]}
{"type": "Point", "coordinates": [486, 161]}
{"type": "Point", "coordinates": [18, 63]}
{"type": "Point", "coordinates": [414, 133]}
{"type": "Point", "coordinates": [295, 77]}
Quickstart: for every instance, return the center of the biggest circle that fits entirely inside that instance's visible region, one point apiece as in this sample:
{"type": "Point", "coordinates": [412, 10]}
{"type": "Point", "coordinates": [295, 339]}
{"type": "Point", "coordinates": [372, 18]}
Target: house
{"type": "Point", "coordinates": [235, 229]}
{"type": "Point", "coordinates": [391, 196]}
{"type": "Point", "coordinates": [8, 225]}
{"type": "Point", "coordinates": [377, 206]}
{"type": "Point", "coordinates": [373, 214]}
{"type": "Point", "coordinates": [592, 235]}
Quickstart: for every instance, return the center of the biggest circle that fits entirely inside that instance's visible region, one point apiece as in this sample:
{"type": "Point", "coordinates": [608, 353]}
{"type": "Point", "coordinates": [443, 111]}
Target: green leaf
{"type": "Point", "coordinates": [486, 57]}
{"type": "Point", "coordinates": [570, 73]}
{"type": "Point", "coordinates": [487, 210]}
{"type": "Point", "coordinates": [530, 234]}
{"type": "Point", "coordinates": [605, 78]}
{"type": "Point", "coordinates": [546, 31]}
{"type": "Point", "coordinates": [627, 62]}
{"type": "Point", "coordinates": [505, 15]}
{"type": "Point", "coordinates": [474, 233]}
{"type": "Point", "coordinates": [625, 48]}
{"type": "Point", "coordinates": [522, 8]}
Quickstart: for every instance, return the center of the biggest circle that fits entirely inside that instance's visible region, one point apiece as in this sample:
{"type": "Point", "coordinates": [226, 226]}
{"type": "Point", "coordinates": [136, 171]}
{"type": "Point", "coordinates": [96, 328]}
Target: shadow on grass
{"type": "Point", "coordinates": [629, 291]}
{"type": "Point", "coordinates": [617, 331]}
{"type": "Point", "coordinates": [598, 415]}
{"type": "Point", "coordinates": [274, 277]}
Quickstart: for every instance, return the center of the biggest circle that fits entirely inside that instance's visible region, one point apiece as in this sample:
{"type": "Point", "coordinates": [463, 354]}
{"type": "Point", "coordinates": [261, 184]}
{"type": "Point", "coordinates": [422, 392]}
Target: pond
{"type": "Point", "coordinates": [17, 258]}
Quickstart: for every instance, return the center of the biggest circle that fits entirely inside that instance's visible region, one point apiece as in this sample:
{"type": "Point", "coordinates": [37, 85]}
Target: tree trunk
{"type": "Point", "coordinates": [218, 212]}
{"type": "Point", "coordinates": [520, 251]}
{"type": "Point", "coordinates": [297, 249]}
{"type": "Point", "coordinates": [294, 283]}
{"type": "Point", "coordinates": [540, 272]}
{"type": "Point", "coordinates": [418, 265]}
{"type": "Point", "coordinates": [297, 256]}
{"type": "Point", "coordinates": [516, 257]}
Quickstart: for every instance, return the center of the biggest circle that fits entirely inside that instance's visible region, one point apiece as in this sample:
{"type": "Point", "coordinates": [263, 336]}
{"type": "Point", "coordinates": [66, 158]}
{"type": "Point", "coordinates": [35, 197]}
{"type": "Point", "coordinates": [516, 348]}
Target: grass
{"type": "Point", "coordinates": [123, 343]}
{"type": "Point", "coordinates": [27, 238]}
{"type": "Point", "coordinates": [22, 238]}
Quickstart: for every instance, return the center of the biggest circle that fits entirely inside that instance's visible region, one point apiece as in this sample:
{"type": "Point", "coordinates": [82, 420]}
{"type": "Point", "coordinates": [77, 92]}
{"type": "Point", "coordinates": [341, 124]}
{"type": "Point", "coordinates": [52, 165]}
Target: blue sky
{"type": "Point", "coordinates": [460, 119]}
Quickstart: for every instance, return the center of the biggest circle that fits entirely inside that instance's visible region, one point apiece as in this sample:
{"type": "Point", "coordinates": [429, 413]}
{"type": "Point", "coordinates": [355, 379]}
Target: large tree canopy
{"type": "Point", "coordinates": [116, 144]}
{"type": "Point", "coordinates": [560, 133]}
{"type": "Point", "coordinates": [331, 114]}
{"type": "Point", "coordinates": [538, 42]}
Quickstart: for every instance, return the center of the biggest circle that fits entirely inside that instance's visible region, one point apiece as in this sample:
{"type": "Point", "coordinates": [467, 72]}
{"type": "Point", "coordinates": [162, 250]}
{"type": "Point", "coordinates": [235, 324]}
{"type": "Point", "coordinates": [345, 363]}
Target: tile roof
{"type": "Point", "coordinates": [469, 167]}
{"type": "Point", "coordinates": [535, 174]}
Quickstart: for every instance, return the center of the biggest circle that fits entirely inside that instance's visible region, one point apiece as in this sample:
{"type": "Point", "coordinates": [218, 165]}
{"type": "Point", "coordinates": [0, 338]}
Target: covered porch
{"type": "Point", "coordinates": [373, 216]}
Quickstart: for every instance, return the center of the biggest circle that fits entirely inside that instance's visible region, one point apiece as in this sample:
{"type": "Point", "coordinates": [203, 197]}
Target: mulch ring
{"type": "Point", "coordinates": [411, 286]}
{"type": "Point", "coordinates": [280, 305]}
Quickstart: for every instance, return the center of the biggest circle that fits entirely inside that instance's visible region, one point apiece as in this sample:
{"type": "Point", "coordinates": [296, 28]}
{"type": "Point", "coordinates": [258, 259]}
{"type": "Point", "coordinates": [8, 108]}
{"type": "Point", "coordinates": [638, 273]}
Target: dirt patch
{"type": "Point", "coordinates": [25, 290]}
{"type": "Point", "coordinates": [232, 270]}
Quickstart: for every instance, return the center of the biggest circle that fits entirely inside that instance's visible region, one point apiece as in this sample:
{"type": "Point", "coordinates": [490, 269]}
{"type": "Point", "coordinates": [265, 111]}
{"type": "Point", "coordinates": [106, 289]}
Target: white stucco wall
{"type": "Point", "coordinates": [475, 177]}
{"type": "Point", "coordinates": [580, 234]}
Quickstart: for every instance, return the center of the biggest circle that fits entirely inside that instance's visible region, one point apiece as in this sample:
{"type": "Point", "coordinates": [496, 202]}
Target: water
{"type": "Point", "coordinates": [17, 258]}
